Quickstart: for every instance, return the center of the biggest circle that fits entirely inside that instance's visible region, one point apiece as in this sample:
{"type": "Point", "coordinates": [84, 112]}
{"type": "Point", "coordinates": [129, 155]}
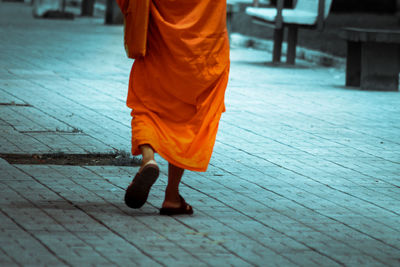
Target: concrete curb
{"type": "Point", "coordinates": [317, 57]}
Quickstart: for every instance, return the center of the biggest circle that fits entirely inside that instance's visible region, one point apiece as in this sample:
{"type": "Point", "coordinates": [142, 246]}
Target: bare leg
{"type": "Point", "coordinates": [172, 199]}
{"type": "Point", "coordinates": [147, 154]}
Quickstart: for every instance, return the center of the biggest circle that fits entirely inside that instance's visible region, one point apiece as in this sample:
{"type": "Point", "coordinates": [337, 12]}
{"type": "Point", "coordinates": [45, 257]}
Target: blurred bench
{"type": "Point", "coordinates": [373, 58]}
{"type": "Point", "coordinates": [309, 14]}
{"type": "Point", "coordinates": [233, 7]}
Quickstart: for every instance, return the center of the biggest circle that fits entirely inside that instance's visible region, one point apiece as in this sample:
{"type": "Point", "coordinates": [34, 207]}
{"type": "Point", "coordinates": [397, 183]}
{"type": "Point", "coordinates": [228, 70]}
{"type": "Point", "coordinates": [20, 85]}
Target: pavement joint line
{"type": "Point", "coordinates": [15, 105]}
{"type": "Point", "coordinates": [71, 159]}
{"type": "Point", "coordinates": [53, 131]}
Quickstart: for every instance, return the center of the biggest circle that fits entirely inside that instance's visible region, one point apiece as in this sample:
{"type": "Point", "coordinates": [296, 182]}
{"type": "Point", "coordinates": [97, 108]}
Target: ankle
{"type": "Point", "coordinates": [171, 202]}
{"type": "Point", "coordinates": [147, 153]}
{"type": "Point", "coordinates": [172, 195]}
{"type": "Point", "coordinates": [146, 159]}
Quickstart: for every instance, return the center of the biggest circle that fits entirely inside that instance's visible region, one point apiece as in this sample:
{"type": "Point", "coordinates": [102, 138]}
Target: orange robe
{"type": "Point", "coordinates": [176, 92]}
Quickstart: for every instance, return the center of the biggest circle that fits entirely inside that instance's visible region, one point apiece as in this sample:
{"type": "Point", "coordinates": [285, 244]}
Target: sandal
{"type": "Point", "coordinates": [138, 191]}
{"type": "Point", "coordinates": [183, 209]}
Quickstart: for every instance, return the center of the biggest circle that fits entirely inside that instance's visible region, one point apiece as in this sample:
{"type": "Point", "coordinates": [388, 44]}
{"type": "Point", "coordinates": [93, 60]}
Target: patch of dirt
{"type": "Point", "coordinates": [73, 159]}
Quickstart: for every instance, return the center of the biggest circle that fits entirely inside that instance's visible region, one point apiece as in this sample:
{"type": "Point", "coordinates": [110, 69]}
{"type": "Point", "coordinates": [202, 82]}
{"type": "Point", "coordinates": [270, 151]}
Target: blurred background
{"type": "Point", "coordinates": [382, 14]}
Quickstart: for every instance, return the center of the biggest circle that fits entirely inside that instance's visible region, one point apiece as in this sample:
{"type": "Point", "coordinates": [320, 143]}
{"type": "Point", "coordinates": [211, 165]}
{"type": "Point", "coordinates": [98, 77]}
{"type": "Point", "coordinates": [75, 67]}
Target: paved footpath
{"type": "Point", "coordinates": [305, 172]}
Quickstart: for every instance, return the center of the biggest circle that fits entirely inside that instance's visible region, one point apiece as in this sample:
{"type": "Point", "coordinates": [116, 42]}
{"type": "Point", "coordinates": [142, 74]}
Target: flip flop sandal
{"type": "Point", "coordinates": [183, 209]}
{"type": "Point", "coordinates": [137, 192]}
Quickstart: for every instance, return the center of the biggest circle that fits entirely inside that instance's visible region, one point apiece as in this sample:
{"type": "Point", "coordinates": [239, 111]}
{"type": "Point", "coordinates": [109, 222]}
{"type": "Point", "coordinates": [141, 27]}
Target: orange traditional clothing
{"type": "Point", "coordinates": [176, 92]}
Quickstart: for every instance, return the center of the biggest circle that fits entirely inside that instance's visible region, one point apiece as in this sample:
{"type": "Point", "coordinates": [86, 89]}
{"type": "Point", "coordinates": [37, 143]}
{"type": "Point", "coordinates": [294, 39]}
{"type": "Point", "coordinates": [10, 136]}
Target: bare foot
{"type": "Point", "coordinates": [171, 208]}
{"type": "Point", "coordinates": [172, 202]}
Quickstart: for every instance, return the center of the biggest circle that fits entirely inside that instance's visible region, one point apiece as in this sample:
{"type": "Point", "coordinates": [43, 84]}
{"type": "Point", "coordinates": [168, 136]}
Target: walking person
{"type": "Point", "coordinates": [176, 93]}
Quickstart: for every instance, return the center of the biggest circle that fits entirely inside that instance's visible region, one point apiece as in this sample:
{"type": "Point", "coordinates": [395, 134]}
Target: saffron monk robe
{"type": "Point", "coordinates": [176, 93]}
